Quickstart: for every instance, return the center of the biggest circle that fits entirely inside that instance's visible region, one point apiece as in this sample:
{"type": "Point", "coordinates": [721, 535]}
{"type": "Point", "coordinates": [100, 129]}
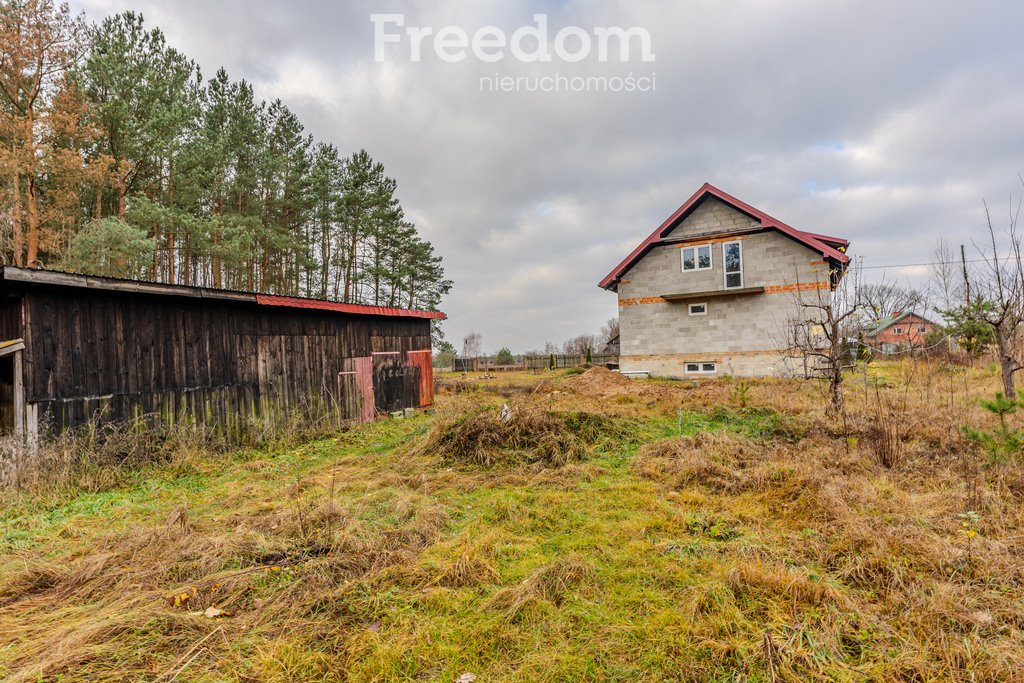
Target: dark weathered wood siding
{"type": "Point", "coordinates": [118, 355]}
{"type": "Point", "coordinates": [10, 317]}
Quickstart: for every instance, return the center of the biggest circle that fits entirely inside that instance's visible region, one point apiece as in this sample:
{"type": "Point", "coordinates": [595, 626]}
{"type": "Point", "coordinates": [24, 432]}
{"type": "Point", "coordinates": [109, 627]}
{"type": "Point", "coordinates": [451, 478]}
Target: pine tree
{"type": "Point", "coordinates": [44, 121]}
{"type": "Point", "coordinates": [116, 158]}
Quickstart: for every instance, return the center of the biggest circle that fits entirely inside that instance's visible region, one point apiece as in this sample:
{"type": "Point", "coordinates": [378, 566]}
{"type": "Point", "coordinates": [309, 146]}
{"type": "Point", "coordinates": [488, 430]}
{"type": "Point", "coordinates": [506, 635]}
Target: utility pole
{"type": "Point", "coordinates": [967, 281]}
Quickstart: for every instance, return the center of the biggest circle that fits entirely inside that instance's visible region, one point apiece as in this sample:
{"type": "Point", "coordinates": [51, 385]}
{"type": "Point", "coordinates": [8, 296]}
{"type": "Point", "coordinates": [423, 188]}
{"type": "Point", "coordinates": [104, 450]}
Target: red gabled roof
{"type": "Point", "coordinates": [827, 246]}
{"type": "Point", "coordinates": [339, 307]}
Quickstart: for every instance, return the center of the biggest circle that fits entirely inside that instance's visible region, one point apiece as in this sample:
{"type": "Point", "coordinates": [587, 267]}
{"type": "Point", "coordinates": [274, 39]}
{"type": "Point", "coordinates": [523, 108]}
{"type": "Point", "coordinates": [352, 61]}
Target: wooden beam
{"type": "Point", "coordinates": [685, 296]}
{"type": "Point", "coordinates": [11, 346]}
{"type": "Point", "coordinates": [19, 397]}
{"type": "Point", "coordinates": [710, 235]}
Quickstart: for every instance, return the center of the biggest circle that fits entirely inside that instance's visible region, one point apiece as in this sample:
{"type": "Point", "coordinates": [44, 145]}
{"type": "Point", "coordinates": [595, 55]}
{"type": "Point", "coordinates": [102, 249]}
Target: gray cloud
{"type": "Point", "coordinates": [886, 123]}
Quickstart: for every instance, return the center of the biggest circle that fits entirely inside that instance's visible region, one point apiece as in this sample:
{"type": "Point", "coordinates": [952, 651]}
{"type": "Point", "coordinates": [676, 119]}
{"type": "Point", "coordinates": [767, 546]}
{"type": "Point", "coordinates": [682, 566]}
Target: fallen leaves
{"type": "Point", "coordinates": [178, 599]}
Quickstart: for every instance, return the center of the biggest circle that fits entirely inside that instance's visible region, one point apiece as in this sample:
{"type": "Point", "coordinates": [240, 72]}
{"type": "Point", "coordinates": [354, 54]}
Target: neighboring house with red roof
{"type": "Point", "coordinates": [899, 332]}
{"type": "Point", "coordinates": [716, 289]}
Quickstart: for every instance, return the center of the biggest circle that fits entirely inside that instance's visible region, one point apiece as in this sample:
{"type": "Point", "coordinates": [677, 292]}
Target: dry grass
{"type": "Point", "coordinates": [101, 454]}
{"type": "Point", "coordinates": [549, 584]}
{"type": "Point", "coordinates": [655, 530]}
{"type": "Point", "coordinates": [486, 438]}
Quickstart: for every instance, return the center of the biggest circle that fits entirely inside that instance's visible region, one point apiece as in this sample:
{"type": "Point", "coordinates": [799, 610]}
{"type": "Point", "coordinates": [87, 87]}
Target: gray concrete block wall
{"type": "Point", "coordinates": [769, 258]}
{"type": "Point", "coordinates": [713, 214]}
{"type": "Point", "coordinates": [745, 334]}
{"type": "Point", "coordinates": [768, 364]}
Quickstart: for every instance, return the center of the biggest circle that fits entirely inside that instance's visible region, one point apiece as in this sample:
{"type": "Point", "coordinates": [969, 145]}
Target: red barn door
{"type": "Point", "coordinates": [355, 390]}
{"type": "Point", "coordinates": [424, 361]}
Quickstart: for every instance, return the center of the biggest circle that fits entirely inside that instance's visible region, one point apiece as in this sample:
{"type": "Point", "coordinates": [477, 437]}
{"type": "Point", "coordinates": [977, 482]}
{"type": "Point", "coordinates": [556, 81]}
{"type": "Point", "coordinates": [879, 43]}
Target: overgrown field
{"type": "Point", "coordinates": [605, 529]}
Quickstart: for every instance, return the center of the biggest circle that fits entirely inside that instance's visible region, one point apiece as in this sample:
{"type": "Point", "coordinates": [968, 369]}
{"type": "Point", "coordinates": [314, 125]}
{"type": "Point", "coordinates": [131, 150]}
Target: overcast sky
{"type": "Point", "coordinates": [885, 122]}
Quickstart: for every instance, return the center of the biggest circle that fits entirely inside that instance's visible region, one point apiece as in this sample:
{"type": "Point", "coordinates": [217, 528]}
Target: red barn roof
{"type": "Point", "coordinates": [831, 248]}
{"type": "Point", "coordinates": [359, 309]}
{"type": "Point", "coordinates": [58, 278]}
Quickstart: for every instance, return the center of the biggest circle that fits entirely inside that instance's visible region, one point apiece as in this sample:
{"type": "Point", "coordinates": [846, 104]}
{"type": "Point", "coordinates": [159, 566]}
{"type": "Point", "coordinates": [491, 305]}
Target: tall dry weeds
{"type": "Point", "coordinates": [484, 438]}
{"type": "Point", "coordinates": [101, 453]}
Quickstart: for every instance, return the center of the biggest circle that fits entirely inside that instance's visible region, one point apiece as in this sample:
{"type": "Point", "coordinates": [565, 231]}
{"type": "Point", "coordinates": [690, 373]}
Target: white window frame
{"type": "Point", "coordinates": [704, 312]}
{"type": "Point", "coordinates": [701, 368]}
{"type": "Point", "coordinates": [696, 259]}
{"type": "Point", "coordinates": [725, 272]}
{"type": "Point", "coordinates": [921, 329]}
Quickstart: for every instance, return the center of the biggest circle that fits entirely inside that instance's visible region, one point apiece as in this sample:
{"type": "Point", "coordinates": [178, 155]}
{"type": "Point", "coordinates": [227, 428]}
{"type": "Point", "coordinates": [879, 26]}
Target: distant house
{"type": "Point", "coordinates": [715, 288]}
{"type": "Point", "coordinates": [899, 332]}
{"type": "Point", "coordinates": [611, 347]}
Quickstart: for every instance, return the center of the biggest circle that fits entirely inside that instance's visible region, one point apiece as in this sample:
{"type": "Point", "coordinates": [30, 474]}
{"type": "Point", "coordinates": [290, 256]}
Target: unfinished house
{"type": "Point", "coordinates": [716, 289]}
{"type": "Point", "coordinates": [76, 348]}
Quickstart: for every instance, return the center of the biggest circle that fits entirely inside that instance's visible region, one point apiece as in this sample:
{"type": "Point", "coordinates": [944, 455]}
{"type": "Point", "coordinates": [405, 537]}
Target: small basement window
{"type": "Point", "coordinates": [698, 309]}
{"type": "Point", "coordinates": [696, 258]}
{"type": "Point", "coordinates": [701, 368]}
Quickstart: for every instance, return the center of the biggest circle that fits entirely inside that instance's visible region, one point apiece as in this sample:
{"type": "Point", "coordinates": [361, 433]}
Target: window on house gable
{"type": "Point", "coordinates": [698, 309]}
{"type": "Point", "coordinates": [696, 258]}
{"type": "Point", "coordinates": [897, 330]}
{"type": "Point", "coordinates": [732, 256]}
{"type": "Point", "coordinates": [922, 329]}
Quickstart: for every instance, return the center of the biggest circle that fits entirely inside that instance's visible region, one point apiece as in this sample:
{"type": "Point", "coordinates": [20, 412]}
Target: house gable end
{"type": "Point", "coordinates": [687, 219]}
{"type": "Point", "coordinates": [712, 216]}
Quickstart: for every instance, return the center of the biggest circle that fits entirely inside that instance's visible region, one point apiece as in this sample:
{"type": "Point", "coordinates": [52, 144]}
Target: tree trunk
{"type": "Point", "coordinates": [1007, 364]}
{"type": "Point", "coordinates": [349, 268]}
{"type": "Point", "coordinates": [33, 224]}
{"type": "Point", "coordinates": [18, 236]}
{"type": "Point", "coordinates": [215, 258]}
{"type": "Point", "coordinates": [325, 259]}
{"type": "Point", "coordinates": [170, 258]}
{"type": "Point", "coordinates": [186, 257]}
{"type": "Point", "coordinates": [122, 192]}
{"type": "Point", "coordinates": [836, 389]}
{"type": "Point", "coordinates": [836, 369]}
{"type": "Point", "coordinates": [170, 228]}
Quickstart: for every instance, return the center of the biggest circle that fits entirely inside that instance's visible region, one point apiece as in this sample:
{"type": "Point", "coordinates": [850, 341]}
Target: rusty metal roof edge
{"type": "Point", "coordinates": [66, 279]}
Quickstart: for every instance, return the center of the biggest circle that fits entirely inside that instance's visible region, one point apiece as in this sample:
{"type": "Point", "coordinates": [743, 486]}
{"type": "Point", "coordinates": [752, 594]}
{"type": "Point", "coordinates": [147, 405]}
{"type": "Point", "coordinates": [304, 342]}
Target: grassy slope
{"type": "Point", "coordinates": [760, 552]}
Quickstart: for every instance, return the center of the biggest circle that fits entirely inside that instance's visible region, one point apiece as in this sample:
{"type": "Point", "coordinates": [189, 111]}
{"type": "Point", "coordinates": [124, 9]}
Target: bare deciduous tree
{"type": "Point", "coordinates": [1000, 285]}
{"type": "Point", "coordinates": [818, 335]}
{"type": "Point", "coordinates": [610, 330]}
{"type": "Point", "coordinates": [883, 299]}
{"type": "Point", "coordinates": [946, 281]}
{"type": "Point", "coordinates": [579, 345]}
{"type": "Point", "coordinates": [472, 345]}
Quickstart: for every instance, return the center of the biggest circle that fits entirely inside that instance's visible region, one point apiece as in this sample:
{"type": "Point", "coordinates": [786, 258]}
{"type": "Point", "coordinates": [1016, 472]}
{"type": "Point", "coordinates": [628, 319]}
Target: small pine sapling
{"type": "Point", "coordinates": [1003, 444]}
{"type": "Point", "coordinates": [741, 394]}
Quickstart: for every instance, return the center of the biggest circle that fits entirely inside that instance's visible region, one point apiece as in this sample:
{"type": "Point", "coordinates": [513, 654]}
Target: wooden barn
{"type": "Point", "coordinates": [74, 348]}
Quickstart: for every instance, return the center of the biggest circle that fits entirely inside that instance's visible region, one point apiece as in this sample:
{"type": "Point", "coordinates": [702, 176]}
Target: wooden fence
{"type": "Point", "coordinates": [527, 363]}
